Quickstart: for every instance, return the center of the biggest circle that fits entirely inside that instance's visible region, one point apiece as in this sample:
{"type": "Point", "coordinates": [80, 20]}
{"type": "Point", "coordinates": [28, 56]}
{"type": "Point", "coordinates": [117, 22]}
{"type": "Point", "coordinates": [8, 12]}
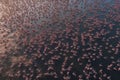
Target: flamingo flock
{"type": "Point", "coordinates": [82, 46]}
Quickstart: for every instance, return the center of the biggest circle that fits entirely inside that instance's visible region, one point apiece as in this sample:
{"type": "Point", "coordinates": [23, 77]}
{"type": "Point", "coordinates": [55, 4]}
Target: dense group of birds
{"type": "Point", "coordinates": [82, 46]}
